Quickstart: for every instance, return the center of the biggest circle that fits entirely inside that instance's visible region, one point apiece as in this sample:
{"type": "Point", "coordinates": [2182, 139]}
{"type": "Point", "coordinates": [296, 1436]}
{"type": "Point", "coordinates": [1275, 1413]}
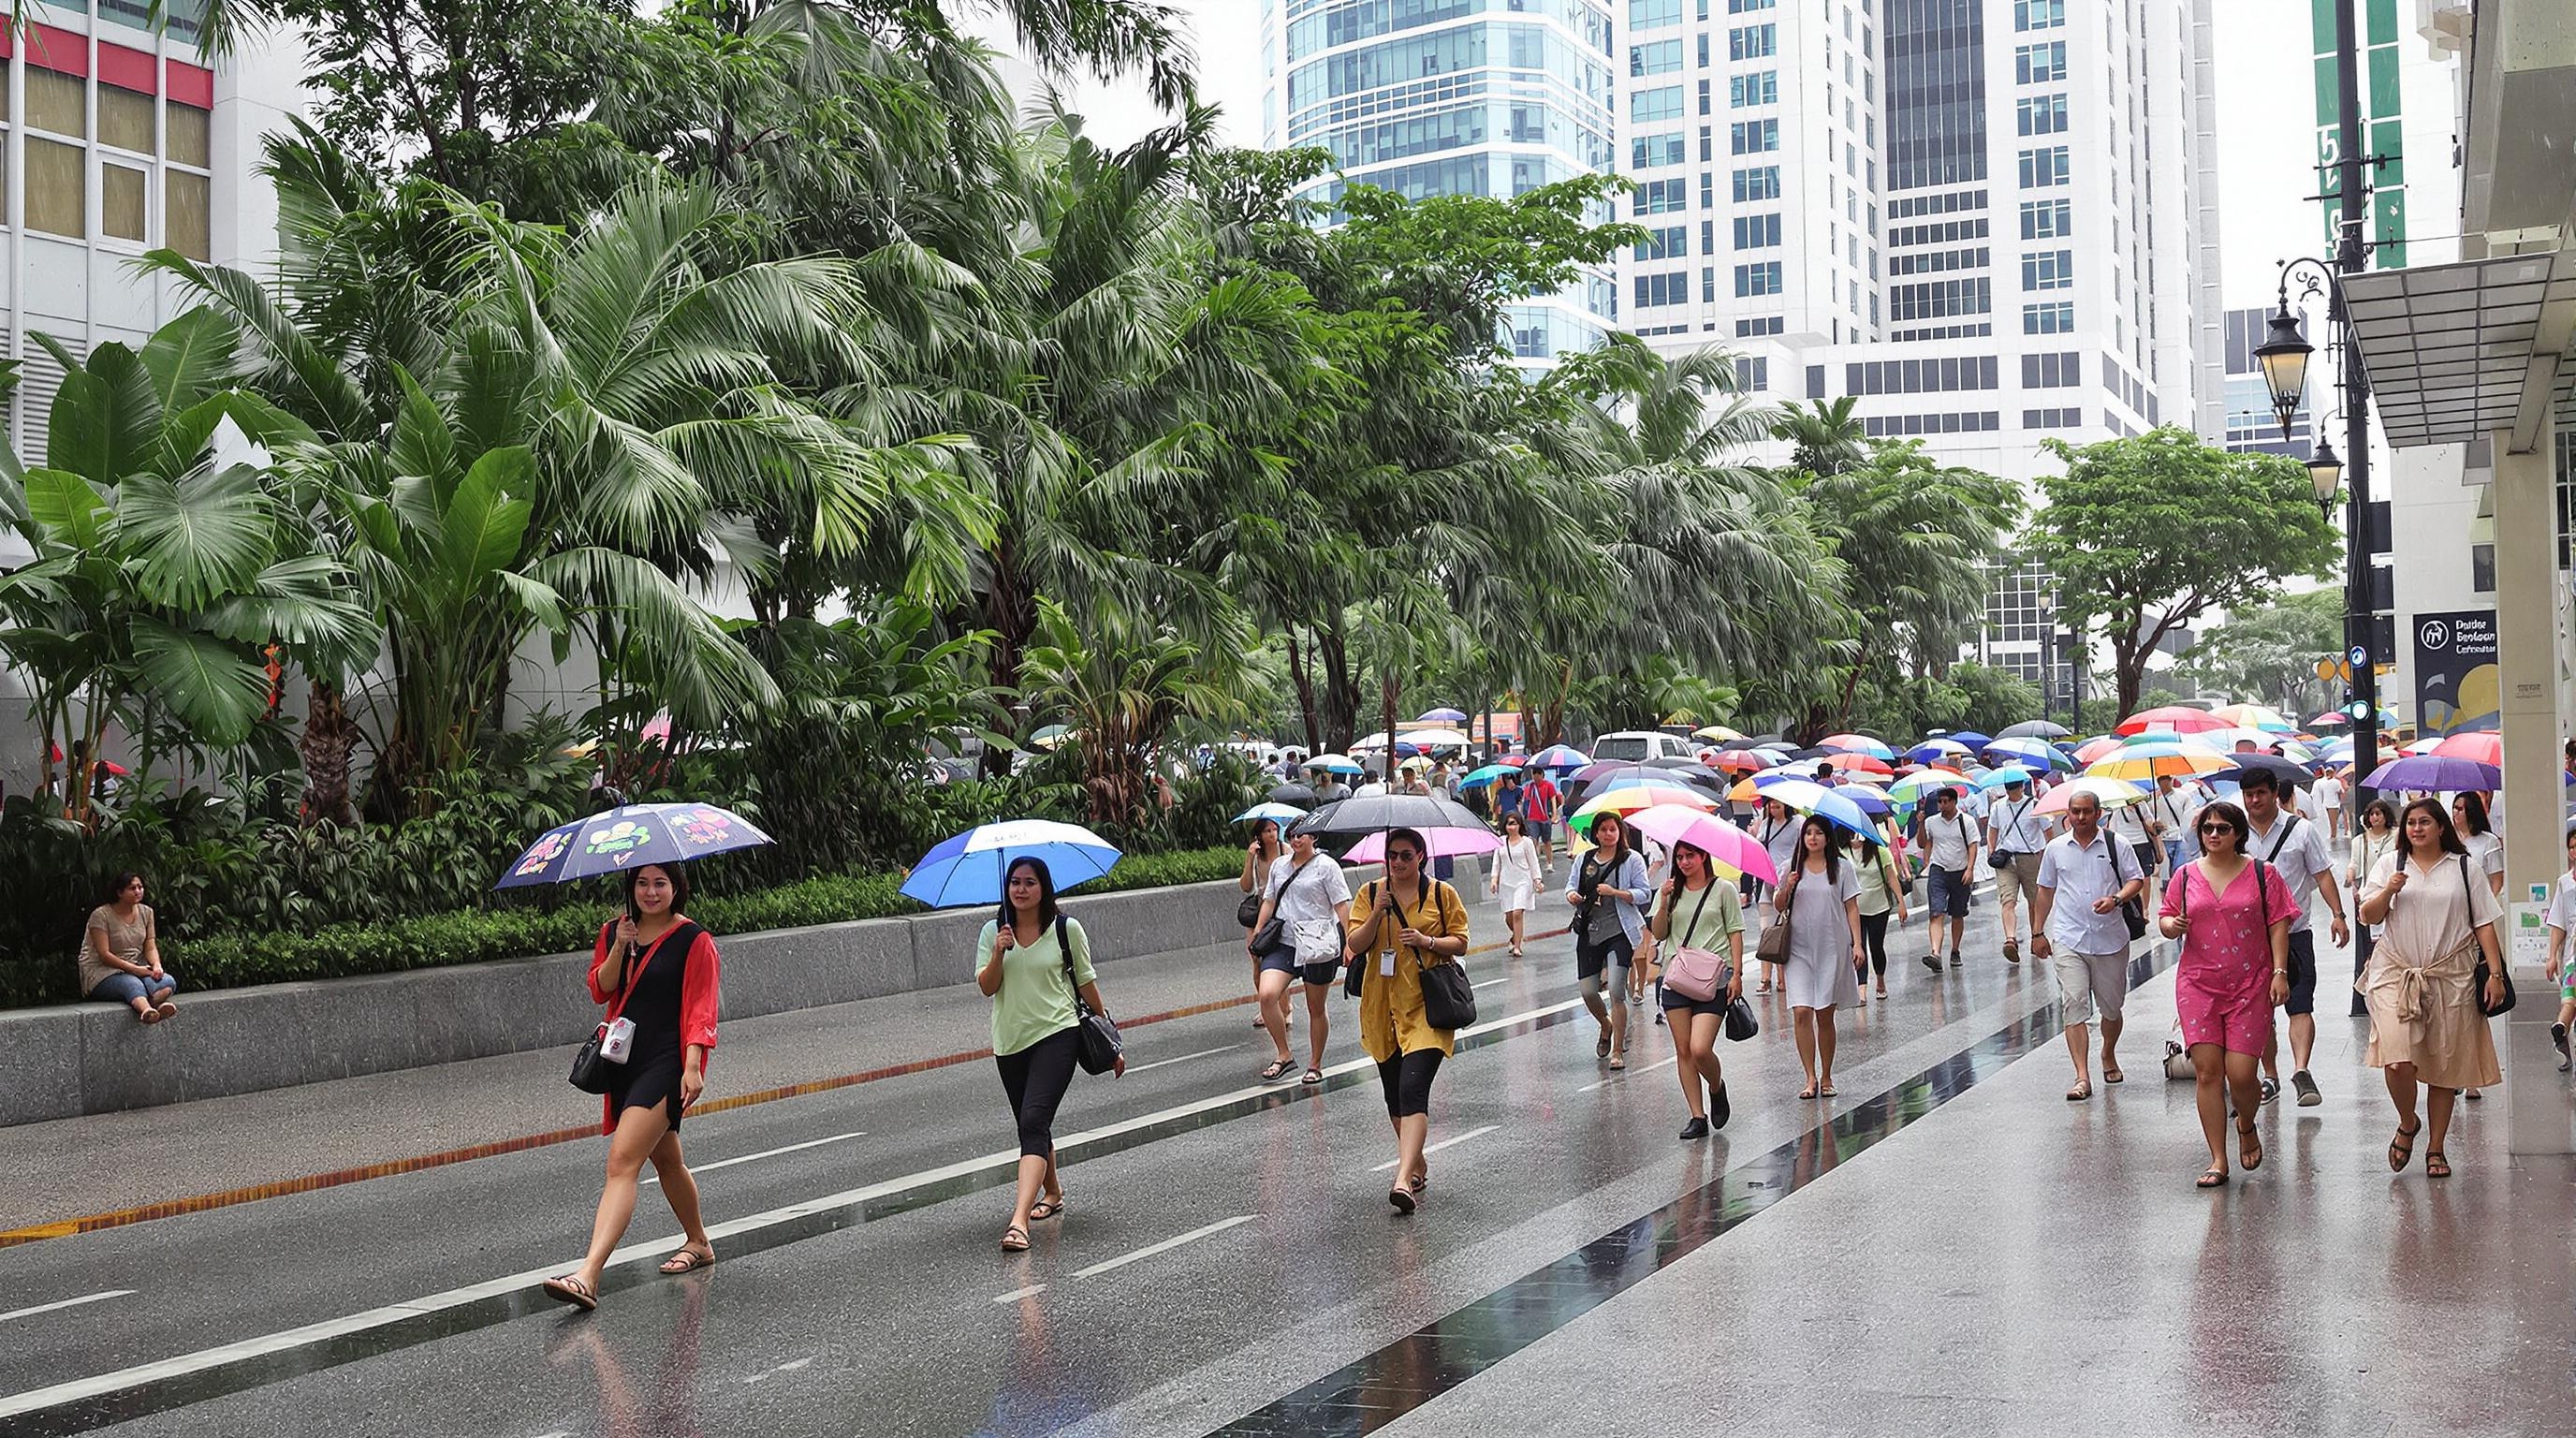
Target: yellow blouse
{"type": "Point", "coordinates": [1391, 1020]}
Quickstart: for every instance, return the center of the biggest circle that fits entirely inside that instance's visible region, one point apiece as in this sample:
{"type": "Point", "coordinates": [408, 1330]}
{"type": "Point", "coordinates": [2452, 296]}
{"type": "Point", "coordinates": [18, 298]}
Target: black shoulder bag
{"type": "Point", "coordinates": [1267, 937]}
{"type": "Point", "coordinates": [1448, 1000]}
{"type": "Point", "coordinates": [2133, 912]}
{"type": "Point", "coordinates": [2478, 980]}
{"type": "Point", "coordinates": [1098, 1044]}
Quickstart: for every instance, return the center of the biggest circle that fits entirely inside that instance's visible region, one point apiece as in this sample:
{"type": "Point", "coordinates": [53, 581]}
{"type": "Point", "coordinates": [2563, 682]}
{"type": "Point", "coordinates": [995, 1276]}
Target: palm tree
{"type": "Point", "coordinates": [1825, 437]}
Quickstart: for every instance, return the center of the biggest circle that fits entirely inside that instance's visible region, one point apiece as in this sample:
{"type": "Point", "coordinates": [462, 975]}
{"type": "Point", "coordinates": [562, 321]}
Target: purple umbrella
{"type": "Point", "coordinates": [2430, 772]}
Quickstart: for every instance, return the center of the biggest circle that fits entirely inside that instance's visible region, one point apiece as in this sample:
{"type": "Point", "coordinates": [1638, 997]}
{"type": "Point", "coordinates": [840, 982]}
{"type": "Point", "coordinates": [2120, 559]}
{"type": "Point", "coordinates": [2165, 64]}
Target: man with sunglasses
{"type": "Point", "coordinates": [2297, 848]}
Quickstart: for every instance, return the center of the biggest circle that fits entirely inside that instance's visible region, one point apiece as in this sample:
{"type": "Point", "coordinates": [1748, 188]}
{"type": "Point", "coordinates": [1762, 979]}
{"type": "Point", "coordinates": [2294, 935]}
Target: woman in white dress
{"type": "Point", "coordinates": [2486, 849]}
{"type": "Point", "coordinates": [2427, 1025]}
{"type": "Point", "coordinates": [1821, 895]}
{"type": "Point", "coordinates": [1518, 870]}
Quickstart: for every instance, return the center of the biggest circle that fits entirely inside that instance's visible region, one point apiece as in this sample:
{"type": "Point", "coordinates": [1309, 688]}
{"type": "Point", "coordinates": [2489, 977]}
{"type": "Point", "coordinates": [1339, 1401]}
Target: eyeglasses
{"type": "Point", "coordinates": [2221, 827]}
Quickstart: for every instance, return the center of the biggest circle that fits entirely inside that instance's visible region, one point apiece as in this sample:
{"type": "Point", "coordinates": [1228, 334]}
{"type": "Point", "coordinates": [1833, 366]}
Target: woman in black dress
{"type": "Point", "coordinates": [657, 969]}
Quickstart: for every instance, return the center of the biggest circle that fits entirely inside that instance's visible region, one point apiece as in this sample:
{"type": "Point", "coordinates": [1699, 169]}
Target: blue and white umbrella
{"type": "Point", "coordinates": [624, 839]}
{"type": "Point", "coordinates": [968, 868]}
{"type": "Point", "coordinates": [1809, 797]}
{"type": "Point", "coordinates": [1283, 813]}
{"type": "Point", "coordinates": [1998, 777]}
{"type": "Point", "coordinates": [2038, 754]}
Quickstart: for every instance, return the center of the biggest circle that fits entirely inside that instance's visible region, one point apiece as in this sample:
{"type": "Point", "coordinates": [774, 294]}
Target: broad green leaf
{"type": "Point", "coordinates": [485, 521]}
{"type": "Point", "coordinates": [106, 423]}
{"type": "Point", "coordinates": [423, 445]}
{"type": "Point", "coordinates": [190, 357]}
{"type": "Point", "coordinates": [68, 505]}
{"type": "Point", "coordinates": [212, 687]}
{"type": "Point", "coordinates": [198, 539]}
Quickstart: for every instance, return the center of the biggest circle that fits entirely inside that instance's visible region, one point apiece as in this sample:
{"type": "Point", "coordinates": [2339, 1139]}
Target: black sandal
{"type": "Point", "coordinates": [2245, 1139]}
{"type": "Point", "coordinates": [1278, 1069]}
{"type": "Point", "coordinates": [2435, 1165]}
{"type": "Point", "coordinates": [2402, 1148]}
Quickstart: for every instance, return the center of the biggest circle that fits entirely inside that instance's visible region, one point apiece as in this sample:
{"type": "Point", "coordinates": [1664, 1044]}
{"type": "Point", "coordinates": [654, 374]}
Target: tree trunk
{"type": "Point", "coordinates": [1010, 611]}
{"type": "Point", "coordinates": [1300, 668]}
{"type": "Point", "coordinates": [2130, 666]}
{"type": "Point", "coordinates": [1341, 691]}
{"type": "Point", "coordinates": [330, 737]}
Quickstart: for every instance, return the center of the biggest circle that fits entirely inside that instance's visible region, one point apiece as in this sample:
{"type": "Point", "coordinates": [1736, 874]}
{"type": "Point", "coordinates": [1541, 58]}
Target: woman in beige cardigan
{"type": "Point", "coordinates": [2426, 1024]}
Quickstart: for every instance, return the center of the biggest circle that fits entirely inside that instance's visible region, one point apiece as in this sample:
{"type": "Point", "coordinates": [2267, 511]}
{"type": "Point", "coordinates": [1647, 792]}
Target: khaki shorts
{"type": "Point", "coordinates": [2017, 882]}
{"type": "Point", "coordinates": [2087, 983]}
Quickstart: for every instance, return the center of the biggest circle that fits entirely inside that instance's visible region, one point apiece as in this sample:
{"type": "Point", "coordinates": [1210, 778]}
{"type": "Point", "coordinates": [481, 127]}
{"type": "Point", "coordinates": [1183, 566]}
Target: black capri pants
{"type": "Point", "coordinates": [1407, 1081]}
{"type": "Point", "coordinates": [1873, 929]}
{"type": "Point", "coordinates": [1036, 1078]}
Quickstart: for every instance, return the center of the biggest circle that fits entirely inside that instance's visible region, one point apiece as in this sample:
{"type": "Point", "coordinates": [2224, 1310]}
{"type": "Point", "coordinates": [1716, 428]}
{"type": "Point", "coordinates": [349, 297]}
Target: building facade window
{"type": "Point", "coordinates": [2041, 114]}
{"type": "Point", "coordinates": [2040, 64]}
{"type": "Point", "coordinates": [2052, 371]}
{"type": "Point", "coordinates": [1753, 137]}
{"type": "Point", "coordinates": [1753, 42]}
{"type": "Point", "coordinates": [2038, 14]}
{"type": "Point", "coordinates": [1760, 325]}
{"type": "Point", "coordinates": [1653, 14]}
{"type": "Point", "coordinates": [1761, 182]}
{"type": "Point", "coordinates": [2047, 219]}
{"type": "Point", "coordinates": [1747, 7]}
{"type": "Point", "coordinates": [1757, 232]}
{"type": "Point", "coordinates": [1757, 279]}
{"type": "Point", "coordinates": [1663, 244]}
{"type": "Point", "coordinates": [1662, 197]}
{"type": "Point", "coordinates": [2052, 419]}
{"type": "Point", "coordinates": [2048, 270]}
{"type": "Point", "coordinates": [1661, 103]}
{"type": "Point", "coordinates": [2043, 168]}
{"type": "Point", "coordinates": [1655, 57]}
{"type": "Point", "coordinates": [57, 108]}
{"type": "Point", "coordinates": [1761, 87]}
{"type": "Point", "coordinates": [1647, 152]}
{"type": "Point", "coordinates": [1658, 290]}
{"type": "Point", "coordinates": [2056, 318]}
{"type": "Point", "coordinates": [1752, 373]}
{"type": "Point", "coordinates": [1940, 299]}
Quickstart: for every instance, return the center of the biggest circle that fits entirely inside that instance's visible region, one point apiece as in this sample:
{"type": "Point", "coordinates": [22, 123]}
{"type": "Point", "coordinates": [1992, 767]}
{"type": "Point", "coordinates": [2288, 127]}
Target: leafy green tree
{"type": "Point", "coordinates": [1123, 686]}
{"type": "Point", "coordinates": [1825, 436]}
{"type": "Point", "coordinates": [2150, 532]}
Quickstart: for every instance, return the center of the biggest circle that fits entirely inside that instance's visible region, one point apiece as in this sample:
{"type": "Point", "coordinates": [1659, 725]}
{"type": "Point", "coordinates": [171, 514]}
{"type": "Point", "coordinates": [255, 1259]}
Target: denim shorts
{"type": "Point", "coordinates": [1950, 890]}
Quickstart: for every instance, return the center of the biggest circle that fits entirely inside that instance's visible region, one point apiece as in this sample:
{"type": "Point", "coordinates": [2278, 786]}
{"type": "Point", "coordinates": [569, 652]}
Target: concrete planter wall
{"type": "Point", "coordinates": [94, 1058]}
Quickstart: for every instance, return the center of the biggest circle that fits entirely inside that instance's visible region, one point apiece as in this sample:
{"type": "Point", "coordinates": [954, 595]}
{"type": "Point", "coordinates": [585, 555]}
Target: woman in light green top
{"type": "Point", "coordinates": [1025, 973]}
{"type": "Point", "coordinates": [1880, 891]}
{"type": "Point", "coordinates": [1697, 910]}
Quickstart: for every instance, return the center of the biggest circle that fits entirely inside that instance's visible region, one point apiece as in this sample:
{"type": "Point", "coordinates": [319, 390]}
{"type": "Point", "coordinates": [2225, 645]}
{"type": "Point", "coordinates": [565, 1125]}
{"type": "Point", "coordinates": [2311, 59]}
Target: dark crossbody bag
{"type": "Point", "coordinates": [592, 1071]}
{"type": "Point", "coordinates": [2478, 980]}
{"type": "Point", "coordinates": [1097, 1038]}
{"type": "Point", "coordinates": [1267, 937]}
{"type": "Point", "coordinates": [1448, 1000]}
{"type": "Point", "coordinates": [2133, 912]}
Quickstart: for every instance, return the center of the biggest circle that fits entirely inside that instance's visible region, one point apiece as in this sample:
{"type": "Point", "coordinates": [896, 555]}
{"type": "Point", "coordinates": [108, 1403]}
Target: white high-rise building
{"type": "Point", "coordinates": [1454, 97]}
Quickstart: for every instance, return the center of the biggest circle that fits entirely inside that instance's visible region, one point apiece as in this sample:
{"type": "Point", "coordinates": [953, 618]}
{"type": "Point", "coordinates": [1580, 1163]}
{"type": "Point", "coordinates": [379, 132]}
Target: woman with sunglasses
{"type": "Point", "coordinates": [2427, 1025]}
{"type": "Point", "coordinates": [1399, 926]}
{"type": "Point", "coordinates": [2235, 966]}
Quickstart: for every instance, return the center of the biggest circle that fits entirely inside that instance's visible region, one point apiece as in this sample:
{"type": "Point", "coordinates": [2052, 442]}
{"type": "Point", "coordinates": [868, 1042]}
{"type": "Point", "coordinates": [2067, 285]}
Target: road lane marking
{"type": "Point", "coordinates": [1489, 983]}
{"type": "Point", "coordinates": [517, 1294]}
{"type": "Point", "coordinates": [1166, 1246]}
{"type": "Point", "coordinates": [308, 1183]}
{"type": "Point", "coordinates": [1016, 1294]}
{"type": "Point", "coordinates": [1624, 1073]}
{"type": "Point", "coordinates": [698, 1168]}
{"type": "Point", "coordinates": [1184, 1058]}
{"type": "Point", "coordinates": [55, 1307]}
{"type": "Point", "coordinates": [1444, 1143]}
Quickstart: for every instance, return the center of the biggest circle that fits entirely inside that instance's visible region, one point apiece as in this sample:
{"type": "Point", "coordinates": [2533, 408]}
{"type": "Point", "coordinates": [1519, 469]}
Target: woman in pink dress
{"type": "Point", "coordinates": [2235, 933]}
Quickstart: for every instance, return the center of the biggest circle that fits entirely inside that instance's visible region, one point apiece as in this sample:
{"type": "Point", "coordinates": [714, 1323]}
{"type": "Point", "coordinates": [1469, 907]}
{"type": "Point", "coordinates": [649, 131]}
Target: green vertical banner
{"type": "Point", "coordinates": [2457, 684]}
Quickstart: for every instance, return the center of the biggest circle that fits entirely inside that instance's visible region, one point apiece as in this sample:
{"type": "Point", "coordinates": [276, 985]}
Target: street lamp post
{"type": "Point", "coordinates": [2284, 356]}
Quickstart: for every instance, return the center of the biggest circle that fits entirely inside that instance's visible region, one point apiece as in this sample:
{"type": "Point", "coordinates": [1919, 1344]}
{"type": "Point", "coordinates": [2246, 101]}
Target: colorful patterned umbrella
{"type": "Point", "coordinates": [2254, 716]}
{"type": "Point", "coordinates": [628, 838]}
{"type": "Point", "coordinates": [2146, 763]}
{"type": "Point", "coordinates": [2039, 754]}
{"type": "Point", "coordinates": [1857, 744]}
{"type": "Point", "coordinates": [2112, 793]}
{"type": "Point", "coordinates": [2174, 718]}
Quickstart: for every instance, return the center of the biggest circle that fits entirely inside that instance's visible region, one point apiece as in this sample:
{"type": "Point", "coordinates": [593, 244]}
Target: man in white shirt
{"type": "Point", "coordinates": [1950, 844]}
{"type": "Point", "coordinates": [2075, 923]}
{"type": "Point", "coordinates": [2014, 837]}
{"type": "Point", "coordinates": [2562, 919]}
{"type": "Point", "coordinates": [2297, 847]}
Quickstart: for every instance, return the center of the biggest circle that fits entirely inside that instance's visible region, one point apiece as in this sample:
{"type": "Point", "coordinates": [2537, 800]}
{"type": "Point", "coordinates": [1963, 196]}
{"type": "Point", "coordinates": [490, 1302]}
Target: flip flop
{"type": "Point", "coordinates": [2082, 1091]}
{"type": "Point", "coordinates": [569, 1289]}
{"type": "Point", "coordinates": [1403, 1198]}
{"type": "Point", "coordinates": [2211, 1178]}
{"type": "Point", "coordinates": [2112, 1075]}
{"type": "Point", "coordinates": [1278, 1069]}
{"type": "Point", "coordinates": [1046, 1208]}
{"type": "Point", "coordinates": [1808, 1092]}
{"type": "Point", "coordinates": [688, 1260]}
{"type": "Point", "coordinates": [1618, 1063]}
{"type": "Point", "coordinates": [1015, 1239]}
{"type": "Point", "coordinates": [1828, 1091]}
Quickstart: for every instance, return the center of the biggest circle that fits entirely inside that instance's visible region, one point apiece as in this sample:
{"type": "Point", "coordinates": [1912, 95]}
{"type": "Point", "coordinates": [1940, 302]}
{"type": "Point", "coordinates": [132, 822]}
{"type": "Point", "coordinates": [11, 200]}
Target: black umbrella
{"type": "Point", "coordinates": [1813, 753]}
{"type": "Point", "coordinates": [1351, 818]}
{"type": "Point", "coordinates": [1742, 744]}
{"type": "Point", "coordinates": [2288, 771]}
{"type": "Point", "coordinates": [1298, 794]}
{"type": "Point", "coordinates": [2036, 729]}
{"type": "Point", "coordinates": [1691, 770]}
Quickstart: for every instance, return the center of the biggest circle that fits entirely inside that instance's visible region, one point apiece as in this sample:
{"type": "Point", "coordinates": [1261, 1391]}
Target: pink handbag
{"type": "Point", "coordinates": [1696, 974]}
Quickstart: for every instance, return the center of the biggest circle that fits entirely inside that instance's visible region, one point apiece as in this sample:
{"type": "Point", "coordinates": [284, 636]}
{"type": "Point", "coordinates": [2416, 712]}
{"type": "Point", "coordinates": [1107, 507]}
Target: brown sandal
{"type": "Point", "coordinates": [567, 1288]}
{"type": "Point", "coordinates": [1015, 1239]}
{"type": "Point", "coordinates": [2402, 1148]}
{"type": "Point", "coordinates": [2249, 1149]}
{"type": "Point", "coordinates": [688, 1260]}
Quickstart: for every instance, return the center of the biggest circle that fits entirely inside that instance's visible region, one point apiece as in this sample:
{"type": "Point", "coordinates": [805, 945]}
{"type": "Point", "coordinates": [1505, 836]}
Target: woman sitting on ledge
{"type": "Point", "coordinates": [120, 954]}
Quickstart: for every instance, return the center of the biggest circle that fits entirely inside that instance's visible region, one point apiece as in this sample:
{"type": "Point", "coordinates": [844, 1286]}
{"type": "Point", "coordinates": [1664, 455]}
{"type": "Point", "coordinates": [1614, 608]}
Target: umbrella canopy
{"type": "Point", "coordinates": [2254, 716]}
{"type": "Point", "coordinates": [1434, 739]}
{"type": "Point", "coordinates": [1741, 761]}
{"type": "Point", "coordinates": [2036, 752]}
{"type": "Point", "coordinates": [1809, 797]}
{"type": "Point", "coordinates": [2176, 718]}
{"type": "Point", "coordinates": [2036, 729]}
{"type": "Point", "coordinates": [1633, 797]}
{"type": "Point", "coordinates": [1448, 843]}
{"type": "Point", "coordinates": [1482, 777]}
{"type": "Point", "coordinates": [1936, 751]}
{"type": "Point", "coordinates": [1365, 813]}
{"type": "Point", "coordinates": [1403, 744]}
{"type": "Point", "coordinates": [2145, 763]}
{"type": "Point", "coordinates": [968, 868]}
{"type": "Point", "coordinates": [1717, 732]}
{"type": "Point", "coordinates": [2288, 771]}
{"type": "Point", "coordinates": [1336, 764]}
{"type": "Point", "coordinates": [1051, 736]}
{"type": "Point", "coordinates": [1559, 756]}
{"type": "Point", "coordinates": [2004, 775]}
{"type": "Point", "coordinates": [2429, 772]}
{"type": "Point", "coordinates": [1297, 794]}
{"type": "Point", "coordinates": [1969, 737]}
{"type": "Point", "coordinates": [1441, 716]}
{"type": "Point", "coordinates": [2484, 747]}
{"type": "Point", "coordinates": [2111, 792]}
{"type": "Point", "coordinates": [1919, 786]}
{"type": "Point", "coordinates": [1690, 771]}
{"type": "Point", "coordinates": [1279, 813]}
{"type": "Point", "coordinates": [1731, 847]}
{"type": "Point", "coordinates": [627, 838]}
{"type": "Point", "coordinates": [1601, 778]}
{"type": "Point", "coordinates": [1861, 764]}
{"type": "Point", "coordinates": [1857, 744]}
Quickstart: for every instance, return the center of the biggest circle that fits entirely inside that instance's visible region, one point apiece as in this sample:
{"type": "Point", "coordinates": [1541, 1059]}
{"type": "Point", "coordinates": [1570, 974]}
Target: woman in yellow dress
{"type": "Point", "coordinates": [1398, 926]}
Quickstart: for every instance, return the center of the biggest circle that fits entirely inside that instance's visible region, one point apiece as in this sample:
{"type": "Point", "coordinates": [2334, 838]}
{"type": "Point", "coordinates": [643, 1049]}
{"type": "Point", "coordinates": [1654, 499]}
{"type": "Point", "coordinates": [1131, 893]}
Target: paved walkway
{"type": "Point", "coordinates": [1949, 1247]}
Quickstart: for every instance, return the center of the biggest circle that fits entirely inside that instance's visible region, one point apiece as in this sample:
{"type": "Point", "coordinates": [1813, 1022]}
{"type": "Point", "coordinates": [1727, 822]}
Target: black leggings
{"type": "Point", "coordinates": [1407, 1081]}
{"type": "Point", "coordinates": [1036, 1078]}
{"type": "Point", "coordinates": [1873, 927]}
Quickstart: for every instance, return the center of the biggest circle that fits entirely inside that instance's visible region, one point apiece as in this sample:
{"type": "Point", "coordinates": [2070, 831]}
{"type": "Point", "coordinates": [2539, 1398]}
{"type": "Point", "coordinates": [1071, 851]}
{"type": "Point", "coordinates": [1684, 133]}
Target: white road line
{"type": "Point", "coordinates": [1624, 1073]}
{"type": "Point", "coordinates": [699, 1168]}
{"type": "Point", "coordinates": [1016, 1294]}
{"type": "Point", "coordinates": [180, 1365]}
{"type": "Point", "coordinates": [1444, 1143]}
{"type": "Point", "coordinates": [56, 1307]}
{"type": "Point", "coordinates": [1185, 1058]}
{"type": "Point", "coordinates": [1489, 983]}
{"type": "Point", "coordinates": [1166, 1246]}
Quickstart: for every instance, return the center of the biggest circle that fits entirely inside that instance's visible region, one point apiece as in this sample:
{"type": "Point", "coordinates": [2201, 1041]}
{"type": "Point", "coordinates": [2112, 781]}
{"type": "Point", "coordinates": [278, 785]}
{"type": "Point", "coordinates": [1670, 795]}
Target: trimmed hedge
{"type": "Point", "coordinates": [221, 961]}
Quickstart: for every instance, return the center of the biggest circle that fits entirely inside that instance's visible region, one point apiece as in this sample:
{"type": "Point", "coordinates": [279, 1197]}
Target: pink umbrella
{"type": "Point", "coordinates": [2174, 717]}
{"type": "Point", "coordinates": [2483, 746]}
{"type": "Point", "coordinates": [1446, 843]}
{"type": "Point", "coordinates": [1670, 824]}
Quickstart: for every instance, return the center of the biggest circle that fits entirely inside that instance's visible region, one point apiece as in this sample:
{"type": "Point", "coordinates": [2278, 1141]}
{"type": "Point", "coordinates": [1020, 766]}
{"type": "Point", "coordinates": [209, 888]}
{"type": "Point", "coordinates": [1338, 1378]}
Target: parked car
{"type": "Point", "coordinates": [1636, 746]}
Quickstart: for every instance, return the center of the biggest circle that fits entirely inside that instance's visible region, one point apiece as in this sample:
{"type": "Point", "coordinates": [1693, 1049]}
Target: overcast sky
{"type": "Point", "coordinates": [2265, 114]}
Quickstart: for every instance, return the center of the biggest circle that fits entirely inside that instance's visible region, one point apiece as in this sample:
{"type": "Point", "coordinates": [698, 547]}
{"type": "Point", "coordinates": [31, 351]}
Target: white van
{"type": "Point", "coordinates": [1636, 746]}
